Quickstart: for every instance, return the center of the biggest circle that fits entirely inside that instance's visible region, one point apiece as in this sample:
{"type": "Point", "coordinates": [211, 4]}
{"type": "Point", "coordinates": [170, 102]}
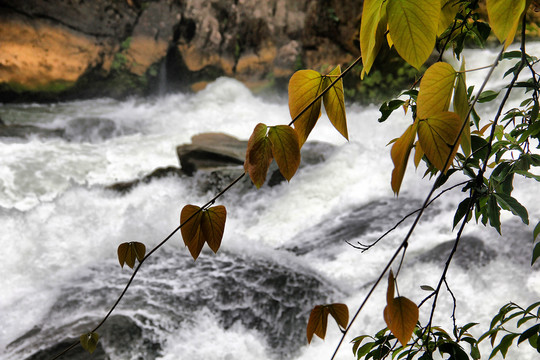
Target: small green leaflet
{"type": "Point", "coordinates": [89, 341]}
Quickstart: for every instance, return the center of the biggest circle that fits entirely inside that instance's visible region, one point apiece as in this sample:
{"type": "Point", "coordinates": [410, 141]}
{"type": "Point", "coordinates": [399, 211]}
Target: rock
{"type": "Point", "coordinates": [59, 49]}
{"type": "Point", "coordinates": [126, 186]}
{"type": "Point", "coordinates": [25, 131]}
{"type": "Point", "coordinates": [210, 151]}
{"type": "Point", "coordinates": [91, 129]}
{"type": "Point", "coordinates": [471, 252]}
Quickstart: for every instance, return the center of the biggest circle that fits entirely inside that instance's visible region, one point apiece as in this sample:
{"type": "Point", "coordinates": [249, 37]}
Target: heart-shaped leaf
{"type": "Point", "coordinates": [213, 226]}
{"type": "Point", "coordinates": [400, 314]}
{"type": "Point", "coordinates": [258, 155]}
{"type": "Point", "coordinates": [129, 251]}
{"type": "Point", "coordinates": [200, 226]}
{"type": "Point", "coordinates": [191, 230]}
{"type": "Point", "coordinates": [413, 27]}
{"type": "Point", "coordinates": [89, 341]}
{"type": "Point", "coordinates": [285, 149]}
{"type": "Point", "coordinates": [400, 156]}
{"type": "Point", "coordinates": [334, 102]}
{"type": "Point", "coordinates": [304, 87]}
{"type": "Point", "coordinates": [437, 135]}
{"type": "Point", "coordinates": [318, 319]}
{"type": "Point", "coordinates": [435, 90]}
{"type": "Point", "coordinates": [372, 31]}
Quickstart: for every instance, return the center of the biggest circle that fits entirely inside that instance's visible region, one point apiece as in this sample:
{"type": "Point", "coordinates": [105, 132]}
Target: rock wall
{"type": "Point", "coordinates": [61, 49]}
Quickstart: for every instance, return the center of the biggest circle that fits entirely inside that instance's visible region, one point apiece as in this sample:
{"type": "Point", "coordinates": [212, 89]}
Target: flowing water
{"type": "Point", "coordinates": [284, 248]}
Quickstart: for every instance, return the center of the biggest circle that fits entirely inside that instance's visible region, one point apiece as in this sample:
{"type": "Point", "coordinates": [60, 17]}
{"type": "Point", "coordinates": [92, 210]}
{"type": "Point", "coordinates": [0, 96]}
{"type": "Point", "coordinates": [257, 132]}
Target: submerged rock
{"type": "Point", "coordinates": [471, 252]}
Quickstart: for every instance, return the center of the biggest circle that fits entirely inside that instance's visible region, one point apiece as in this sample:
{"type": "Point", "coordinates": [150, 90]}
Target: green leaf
{"type": "Point", "coordinates": [334, 102]}
{"type": "Point", "coordinates": [364, 349]}
{"type": "Point", "coordinates": [427, 288]}
{"type": "Point", "coordinates": [413, 28]}
{"type": "Point", "coordinates": [487, 96]}
{"type": "Point", "coordinates": [436, 135]}
{"type": "Point", "coordinates": [454, 350]}
{"type": "Point", "coordinates": [304, 87]}
{"type": "Point", "coordinates": [503, 346]}
{"type": "Point", "coordinates": [528, 333]}
{"type": "Point", "coordinates": [400, 156]}
{"type": "Point", "coordinates": [435, 90]}
{"type": "Point", "coordinates": [258, 155]}
{"type": "Point", "coordinates": [462, 209]}
{"type": "Point", "coordinates": [536, 231]}
{"type": "Point", "coordinates": [504, 18]}
{"type": "Point", "coordinates": [461, 107]}
{"type": "Point", "coordinates": [493, 213]}
{"type": "Point", "coordinates": [372, 31]}
{"type": "Point", "coordinates": [536, 253]}
{"type": "Point", "coordinates": [285, 149]}
{"type": "Point", "coordinates": [89, 341]}
{"type": "Point", "coordinates": [509, 203]}
{"type": "Point", "coordinates": [387, 108]}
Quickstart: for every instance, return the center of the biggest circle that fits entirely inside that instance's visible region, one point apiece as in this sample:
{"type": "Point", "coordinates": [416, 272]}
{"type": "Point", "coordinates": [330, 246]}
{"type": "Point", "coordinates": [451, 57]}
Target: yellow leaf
{"type": "Point", "coordinates": [285, 149]}
{"type": "Point", "coordinates": [449, 9]}
{"type": "Point", "coordinates": [304, 87]}
{"type": "Point", "coordinates": [504, 18]}
{"type": "Point", "coordinates": [400, 156]}
{"type": "Point", "coordinates": [372, 31]}
{"type": "Point", "coordinates": [435, 90]}
{"type": "Point", "coordinates": [413, 28]}
{"type": "Point", "coordinates": [191, 230]}
{"type": "Point", "coordinates": [461, 107]}
{"type": "Point", "coordinates": [436, 135]}
{"type": "Point", "coordinates": [317, 323]}
{"type": "Point", "coordinates": [213, 226]}
{"type": "Point", "coordinates": [418, 154]}
{"type": "Point", "coordinates": [340, 313]}
{"type": "Point", "coordinates": [401, 316]}
{"type": "Point", "coordinates": [258, 155]}
{"type": "Point", "coordinates": [318, 319]}
{"type": "Point", "coordinates": [334, 102]}
{"type": "Point", "coordinates": [89, 341]}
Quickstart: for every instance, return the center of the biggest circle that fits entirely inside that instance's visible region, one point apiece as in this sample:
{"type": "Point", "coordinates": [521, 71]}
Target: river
{"type": "Point", "coordinates": [284, 248]}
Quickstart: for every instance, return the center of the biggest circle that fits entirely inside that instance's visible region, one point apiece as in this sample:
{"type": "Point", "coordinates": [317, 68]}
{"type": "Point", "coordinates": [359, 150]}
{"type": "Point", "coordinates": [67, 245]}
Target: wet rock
{"type": "Point", "coordinates": [471, 252]}
{"type": "Point", "coordinates": [26, 131]}
{"type": "Point", "coordinates": [126, 186]}
{"type": "Point", "coordinates": [90, 129]}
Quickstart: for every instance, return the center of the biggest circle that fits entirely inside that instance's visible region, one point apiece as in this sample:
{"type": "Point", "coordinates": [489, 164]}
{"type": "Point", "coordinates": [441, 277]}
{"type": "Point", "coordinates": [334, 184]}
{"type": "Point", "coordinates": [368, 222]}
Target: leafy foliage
{"type": "Point", "coordinates": [128, 252]}
{"type": "Point", "coordinates": [202, 225]}
{"type": "Point", "coordinates": [318, 319]}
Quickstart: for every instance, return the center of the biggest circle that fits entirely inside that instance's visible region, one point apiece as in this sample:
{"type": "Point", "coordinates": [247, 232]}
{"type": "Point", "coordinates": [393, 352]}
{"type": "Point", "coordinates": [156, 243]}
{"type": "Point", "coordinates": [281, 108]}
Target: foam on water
{"type": "Point", "coordinates": [58, 221]}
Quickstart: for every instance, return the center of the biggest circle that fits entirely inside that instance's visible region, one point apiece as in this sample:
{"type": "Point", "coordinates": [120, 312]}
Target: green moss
{"type": "Point", "coordinates": [55, 87]}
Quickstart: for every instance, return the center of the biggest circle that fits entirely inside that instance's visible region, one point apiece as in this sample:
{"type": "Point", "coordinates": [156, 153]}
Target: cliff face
{"type": "Point", "coordinates": [61, 49]}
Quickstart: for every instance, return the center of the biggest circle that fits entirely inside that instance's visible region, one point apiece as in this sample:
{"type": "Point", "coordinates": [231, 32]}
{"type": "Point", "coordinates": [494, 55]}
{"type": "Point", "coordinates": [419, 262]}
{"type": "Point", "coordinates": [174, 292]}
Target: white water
{"type": "Point", "coordinates": [59, 223]}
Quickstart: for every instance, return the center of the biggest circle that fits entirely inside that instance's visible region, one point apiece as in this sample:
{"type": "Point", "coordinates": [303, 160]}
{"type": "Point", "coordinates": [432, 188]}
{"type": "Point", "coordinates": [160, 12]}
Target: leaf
{"type": "Point", "coordinates": [304, 87]}
{"type": "Point", "coordinates": [528, 333]}
{"type": "Point", "coordinates": [504, 18]}
{"type": "Point", "coordinates": [390, 289]}
{"type": "Point", "coordinates": [413, 27]}
{"type": "Point", "coordinates": [494, 214]}
{"type": "Point", "coordinates": [400, 156]}
{"type": "Point", "coordinates": [461, 107]}
{"type": "Point", "coordinates": [285, 149]}
{"type": "Point", "coordinates": [372, 31]}
{"type": "Point", "coordinates": [317, 323]}
{"type": "Point", "coordinates": [213, 226]}
{"type": "Point", "coordinates": [334, 102]}
{"type": "Point", "coordinates": [509, 203]}
{"type": "Point", "coordinates": [503, 346]}
{"type": "Point", "coordinates": [427, 288]}
{"type": "Point", "coordinates": [449, 8]}
{"type": "Point", "coordinates": [536, 231]}
{"type": "Point", "coordinates": [128, 252]}
{"type": "Point", "coordinates": [318, 319]}
{"type": "Point", "coordinates": [435, 90]}
{"type": "Point", "coordinates": [200, 226]}
{"type": "Point", "coordinates": [436, 135]}
{"type": "Point", "coordinates": [401, 316]}
{"type": "Point", "coordinates": [536, 253]}
{"type": "Point", "coordinates": [89, 341]}
{"type": "Point", "coordinates": [340, 313]}
{"type": "Point", "coordinates": [191, 230]}
{"type": "Point", "coordinates": [418, 154]}
{"type": "Point", "coordinates": [487, 96]}
{"type": "Point", "coordinates": [258, 155]}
